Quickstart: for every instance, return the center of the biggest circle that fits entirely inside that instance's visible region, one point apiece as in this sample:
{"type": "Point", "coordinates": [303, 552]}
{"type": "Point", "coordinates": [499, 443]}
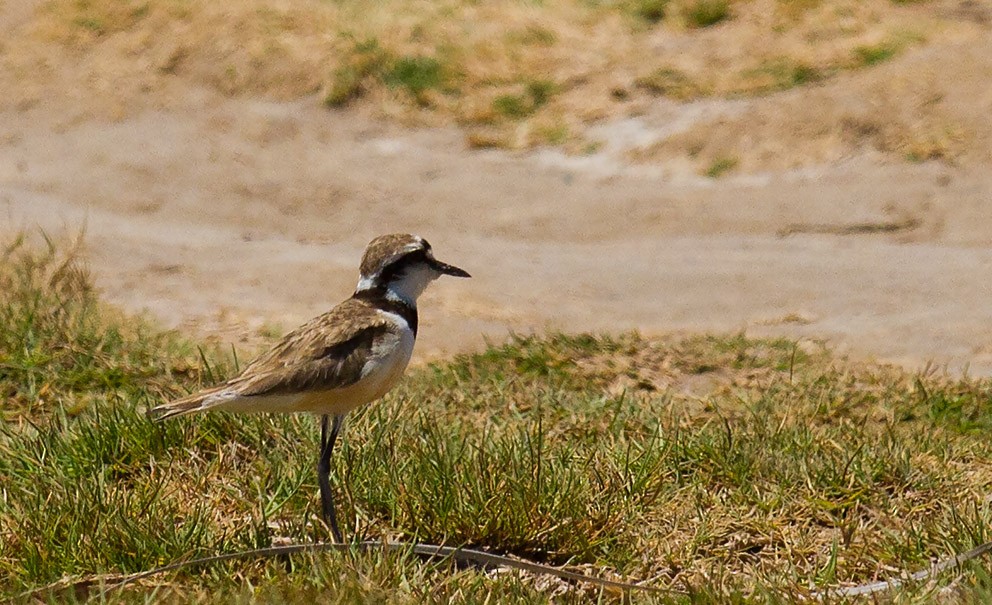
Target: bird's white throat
{"type": "Point", "coordinates": [406, 287]}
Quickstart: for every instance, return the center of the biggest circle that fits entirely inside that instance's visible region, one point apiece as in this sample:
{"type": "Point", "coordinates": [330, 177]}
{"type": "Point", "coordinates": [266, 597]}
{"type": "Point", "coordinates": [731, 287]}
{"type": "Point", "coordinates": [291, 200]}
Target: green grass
{"type": "Point", "coordinates": [536, 94]}
{"type": "Point", "coordinates": [705, 13]}
{"type": "Point", "coordinates": [669, 82]}
{"type": "Point", "coordinates": [416, 74]}
{"type": "Point", "coordinates": [782, 74]}
{"type": "Point", "coordinates": [720, 167]}
{"type": "Point", "coordinates": [554, 134]}
{"type": "Point", "coordinates": [649, 11]}
{"type": "Point", "coordinates": [738, 470]}
{"type": "Point", "coordinates": [365, 64]}
{"type": "Point", "coordinates": [876, 53]}
{"type": "Point", "coordinates": [512, 106]}
{"type": "Point", "coordinates": [369, 63]}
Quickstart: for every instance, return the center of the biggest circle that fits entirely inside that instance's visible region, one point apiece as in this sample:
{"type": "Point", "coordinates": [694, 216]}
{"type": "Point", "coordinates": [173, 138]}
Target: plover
{"type": "Point", "coordinates": [336, 362]}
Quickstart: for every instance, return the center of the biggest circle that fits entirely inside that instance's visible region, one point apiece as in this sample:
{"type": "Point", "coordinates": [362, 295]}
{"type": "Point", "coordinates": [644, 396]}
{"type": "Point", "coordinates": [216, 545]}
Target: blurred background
{"type": "Point", "coordinates": [810, 168]}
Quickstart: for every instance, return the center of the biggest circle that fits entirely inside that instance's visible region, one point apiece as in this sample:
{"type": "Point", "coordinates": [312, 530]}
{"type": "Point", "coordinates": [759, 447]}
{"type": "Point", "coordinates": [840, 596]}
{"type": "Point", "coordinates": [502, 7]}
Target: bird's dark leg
{"type": "Point", "coordinates": [324, 471]}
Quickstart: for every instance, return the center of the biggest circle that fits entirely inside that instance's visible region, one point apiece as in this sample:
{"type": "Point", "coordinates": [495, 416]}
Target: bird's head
{"type": "Point", "coordinates": [401, 266]}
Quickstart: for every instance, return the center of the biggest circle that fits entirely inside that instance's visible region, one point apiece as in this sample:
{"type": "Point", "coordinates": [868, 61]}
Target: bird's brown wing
{"type": "Point", "coordinates": [328, 352]}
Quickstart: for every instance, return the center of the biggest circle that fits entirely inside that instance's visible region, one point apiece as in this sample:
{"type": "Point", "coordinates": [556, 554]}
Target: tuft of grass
{"type": "Point", "coordinates": [706, 13]}
{"type": "Point", "coordinates": [940, 142]}
{"type": "Point", "coordinates": [648, 11]}
{"type": "Point", "coordinates": [366, 63]}
{"type": "Point", "coordinates": [795, 9]}
{"type": "Point", "coordinates": [101, 20]}
{"type": "Point", "coordinates": [554, 134]}
{"type": "Point", "coordinates": [93, 24]}
{"type": "Point", "coordinates": [512, 106]}
{"type": "Point", "coordinates": [800, 74]}
{"type": "Point", "coordinates": [534, 35]}
{"type": "Point", "coordinates": [370, 64]}
{"type": "Point", "coordinates": [873, 54]}
{"type": "Point", "coordinates": [720, 166]}
{"type": "Point", "coordinates": [739, 469]}
{"type": "Point", "coordinates": [61, 351]}
{"type": "Point", "coordinates": [540, 92]}
{"type": "Point", "coordinates": [516, 106]}
{"type": "Point", "coordinates": [416, 74]}
{"type": "Point", "coordinates": [488, 138]}
{"type": "Point", "coordinates": [669, 82]}
{"type": "Point", "coordinates": [782, 74]}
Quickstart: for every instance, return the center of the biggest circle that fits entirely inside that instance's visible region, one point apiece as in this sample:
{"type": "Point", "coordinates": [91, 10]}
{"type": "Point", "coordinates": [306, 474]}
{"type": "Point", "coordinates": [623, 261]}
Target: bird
{"type": "Point", "coordinates": [347, 357]}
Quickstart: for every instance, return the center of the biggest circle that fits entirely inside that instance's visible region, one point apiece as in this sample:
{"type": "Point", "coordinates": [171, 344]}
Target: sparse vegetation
{"type": "Point", "coordinates": [875, 53]}
{"type": "Point", "coordinates": [941, 143]}
{"type": "Point", "coordinates": [415, 74]}
{"type": "Point", "coordinates": [366, 62]}
{"type": "Point", "coordinates": [554, 134]}
{"type": "Point", "coordinates": [737, 469]}
{"type": "Point", "coordinates": [704, 13]}
{"type": "Point", "coordinates": [516, 106]}
{"type": "Point", "coordinates": [649, 11]}
{"type": "Point", "coordinates": [878, 52]}
{"type": "Point", "coordinates": [534, 35]}
{"type": "Point", "coordinates": [795, 9]}
{"type": "Point", "coordinates": [669, 82]}
{"type": "Point", "coordinates": [512, 106]}
{"type": "Point", "coordinates": [721, 166]}
{"type": "Point", "coordinates": [487, 138]}
{"type": "Point", "coordinates": [369, 64]}
{"type": "Point", "coordinates": [466, 63]}
{"type": "Point", "coordinates": [101, 20]}
{"type": "Point", "coordinates": [782, 74]}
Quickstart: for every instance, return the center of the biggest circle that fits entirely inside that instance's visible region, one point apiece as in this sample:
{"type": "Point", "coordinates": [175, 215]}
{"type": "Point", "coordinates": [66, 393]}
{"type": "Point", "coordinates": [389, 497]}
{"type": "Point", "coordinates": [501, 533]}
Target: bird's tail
{"type": "Point", "coordinates": [197, 402]}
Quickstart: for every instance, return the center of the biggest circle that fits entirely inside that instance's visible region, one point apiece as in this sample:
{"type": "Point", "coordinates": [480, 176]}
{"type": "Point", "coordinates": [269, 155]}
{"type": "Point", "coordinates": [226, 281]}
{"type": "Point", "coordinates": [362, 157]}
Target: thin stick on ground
{"type": "Point", "coordinates": [485, 559]}
{"type": "Point", "coordinates": [431, 551]}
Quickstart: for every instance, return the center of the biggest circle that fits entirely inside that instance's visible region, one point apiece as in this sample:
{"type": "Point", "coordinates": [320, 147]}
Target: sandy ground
{"type": "Point", "coordinates": [237, 217]}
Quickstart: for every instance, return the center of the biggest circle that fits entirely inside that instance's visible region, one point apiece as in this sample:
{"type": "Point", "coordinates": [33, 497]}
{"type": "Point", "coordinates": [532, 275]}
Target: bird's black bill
{"type": "Point", "coordinates": [448, 269]}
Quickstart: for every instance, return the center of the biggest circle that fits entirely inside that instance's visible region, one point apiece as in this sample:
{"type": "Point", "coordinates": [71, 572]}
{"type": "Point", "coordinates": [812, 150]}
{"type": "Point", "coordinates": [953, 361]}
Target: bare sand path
{"type": "Point", "coordinates": [225, 216]}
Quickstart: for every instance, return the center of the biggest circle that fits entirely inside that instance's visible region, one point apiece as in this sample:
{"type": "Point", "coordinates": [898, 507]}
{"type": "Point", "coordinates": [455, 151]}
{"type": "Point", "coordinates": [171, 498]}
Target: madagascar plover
{"type": "Point", "coordinates": [340, 360]}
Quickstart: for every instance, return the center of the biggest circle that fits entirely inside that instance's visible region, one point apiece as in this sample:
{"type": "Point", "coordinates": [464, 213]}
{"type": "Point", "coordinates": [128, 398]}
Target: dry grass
{"type": "Point", "coordinates": [475, 64]}
{"type": "Point", "coordinates": [925, 108]}
{"type": "Point", "coordinates": [738, 470]}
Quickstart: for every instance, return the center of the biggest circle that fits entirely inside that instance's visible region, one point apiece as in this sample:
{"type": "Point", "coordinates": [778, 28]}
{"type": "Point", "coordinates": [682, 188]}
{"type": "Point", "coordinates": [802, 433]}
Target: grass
{"type": "Point", "coordinates": [365, 64]}
{"type": "Point", "coordinates": [738, 470]}
{"type": "Point", "coordinates": [369, 65]}
{"type": "Point", "coordinates": [415, 74]}
{"type": "Point", "coordinates": [796, 9]}
{"type": "Point", "coordinates": [721, 166]}
{"type": "Point", "coordinates": [669, 82]}
{"type": "Point", "coordinates": [782, 74]}
{"type": "Point", "coordinates": [650, 11]}
{"type": "Point", "coordinates": [706, 13]}
{"type": "Point", "coordinates": [875, 53]}
{"type": "Point", "coordinates": [517, 106]}
{"type": "Point", "coordinates": [868, 55]}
